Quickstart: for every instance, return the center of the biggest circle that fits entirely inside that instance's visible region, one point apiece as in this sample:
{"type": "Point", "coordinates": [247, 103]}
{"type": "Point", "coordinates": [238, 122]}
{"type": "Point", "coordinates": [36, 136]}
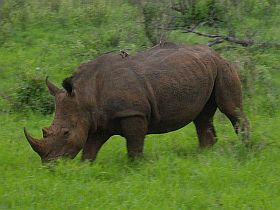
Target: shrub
{"type": "Point", "coordinates": [195, 11]}
{"type": "Point", "coordinates": [32, 94]}
{"type": "Point", "coordinates": [259, 90]}
{"type": "Point", "coordinates": [152, 20]}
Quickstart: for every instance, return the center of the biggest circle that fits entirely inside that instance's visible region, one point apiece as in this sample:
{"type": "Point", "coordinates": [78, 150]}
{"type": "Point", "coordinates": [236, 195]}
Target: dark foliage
{"type": "Point", "coordinates": [32, 94]}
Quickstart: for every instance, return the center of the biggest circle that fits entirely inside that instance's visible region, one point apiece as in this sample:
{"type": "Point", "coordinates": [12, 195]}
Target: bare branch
{"type": "Point", "coordinates": [216, 41]}
{"type": "Point", "coordinates": [219, 38]}
{"type": "Point", "coordinates": [203, 34]}
{"type": "Point", "coordinates": [244, 42]}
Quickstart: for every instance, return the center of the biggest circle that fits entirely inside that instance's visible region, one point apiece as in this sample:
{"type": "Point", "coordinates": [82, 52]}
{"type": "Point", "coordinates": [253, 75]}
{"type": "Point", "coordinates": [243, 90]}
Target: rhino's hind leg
{"type": "Point", "coordinates": [204, 124]}
{"type": "Point", "coordinates": [134, 130]}
{"type": "Point", "coordinates": [228, 96]}
{"type": "Point", "coordinates": [93, 145]}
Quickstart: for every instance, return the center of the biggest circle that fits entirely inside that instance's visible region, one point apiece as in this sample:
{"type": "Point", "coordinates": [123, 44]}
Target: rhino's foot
{"type": "Point", "coordinates": [206, 134]}
{"type": "Point", "coordinates": [93, 145]}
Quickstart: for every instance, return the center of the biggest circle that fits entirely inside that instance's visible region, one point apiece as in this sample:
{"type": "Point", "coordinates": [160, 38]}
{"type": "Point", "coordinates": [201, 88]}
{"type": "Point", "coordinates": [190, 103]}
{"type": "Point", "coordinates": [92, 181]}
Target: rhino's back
{"type": "Point", "coordinates": [170, 85]}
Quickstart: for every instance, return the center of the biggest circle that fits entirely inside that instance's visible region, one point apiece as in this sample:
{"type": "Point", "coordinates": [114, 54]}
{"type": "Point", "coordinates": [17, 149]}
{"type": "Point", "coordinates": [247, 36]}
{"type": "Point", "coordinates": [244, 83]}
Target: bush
{"type": "Point", "coordinates": [196, 11]}
{"type": "Point", "coordinates": [259, 90]}
{"type": "Point", "coordinates": [152, 22]}
{"type": "Point", "coordinates": [32, 94]}
{"type": "Point", "coordinates": [179, 14]}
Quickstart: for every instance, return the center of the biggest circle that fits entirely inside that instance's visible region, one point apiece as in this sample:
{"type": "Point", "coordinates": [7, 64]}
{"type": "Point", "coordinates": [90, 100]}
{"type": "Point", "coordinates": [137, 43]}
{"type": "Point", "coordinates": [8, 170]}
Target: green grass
{"type": "Point", "coordinates": [174, 173]}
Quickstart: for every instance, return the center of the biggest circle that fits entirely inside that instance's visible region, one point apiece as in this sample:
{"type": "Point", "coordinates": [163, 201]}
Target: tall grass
{"type": "Point", "coordinates": [174, 173]}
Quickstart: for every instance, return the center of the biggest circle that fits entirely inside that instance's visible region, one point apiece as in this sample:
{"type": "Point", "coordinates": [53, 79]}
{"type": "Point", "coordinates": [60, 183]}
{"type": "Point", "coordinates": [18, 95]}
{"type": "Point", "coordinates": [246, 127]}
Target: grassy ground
{"type": "Point", "coordinates": [174, 173]}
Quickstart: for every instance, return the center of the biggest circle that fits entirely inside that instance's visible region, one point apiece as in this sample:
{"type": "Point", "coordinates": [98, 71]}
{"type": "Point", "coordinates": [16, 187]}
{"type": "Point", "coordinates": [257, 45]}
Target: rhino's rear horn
{"type": "Point", "coordinates": [52, 88]}
{"type": "Point", "coordinates": [46, 132]}
{"type": "Point", "coordinates": [36, 145]}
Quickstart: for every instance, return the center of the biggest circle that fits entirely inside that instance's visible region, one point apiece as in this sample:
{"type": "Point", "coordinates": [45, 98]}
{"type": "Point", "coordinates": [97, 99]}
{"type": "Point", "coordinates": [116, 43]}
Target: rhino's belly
{"type": "Point", "coordinates": [179, 103]}
{"type": "Point", "coordinates": [172, 119]}
{"type": "Point", "coordinates": [166, 127]}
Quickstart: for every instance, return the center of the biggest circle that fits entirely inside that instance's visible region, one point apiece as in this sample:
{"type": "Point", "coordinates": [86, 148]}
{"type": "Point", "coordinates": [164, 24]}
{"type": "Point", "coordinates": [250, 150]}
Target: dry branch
{"type": "Point", "coordinates": [220, 38]}
{"type": "Point", "coordinates": [216, 41]}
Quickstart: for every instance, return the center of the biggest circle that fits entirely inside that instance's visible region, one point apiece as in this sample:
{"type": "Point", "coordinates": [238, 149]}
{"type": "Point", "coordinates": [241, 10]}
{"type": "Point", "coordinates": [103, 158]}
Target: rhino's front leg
{"type": "Point", "coordinates": [93, 145]}
{"type": "Point", "coordinates": [134, 130]}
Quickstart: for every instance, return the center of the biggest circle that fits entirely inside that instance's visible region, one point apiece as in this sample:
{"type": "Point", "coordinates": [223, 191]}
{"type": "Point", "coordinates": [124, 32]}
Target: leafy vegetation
{"type": "Point", "coordinates": [40, 38]}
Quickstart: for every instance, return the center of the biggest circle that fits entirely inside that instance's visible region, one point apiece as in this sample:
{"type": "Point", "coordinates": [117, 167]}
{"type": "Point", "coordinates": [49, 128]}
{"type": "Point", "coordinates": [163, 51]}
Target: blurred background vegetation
{"type": "Point", "coordinates": [39, 38]}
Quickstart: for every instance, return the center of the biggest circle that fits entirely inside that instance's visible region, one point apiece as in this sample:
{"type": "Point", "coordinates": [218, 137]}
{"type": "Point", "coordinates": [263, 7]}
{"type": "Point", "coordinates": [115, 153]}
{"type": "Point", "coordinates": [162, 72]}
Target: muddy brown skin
{"type": "Point", "coordinates": [155, 91]}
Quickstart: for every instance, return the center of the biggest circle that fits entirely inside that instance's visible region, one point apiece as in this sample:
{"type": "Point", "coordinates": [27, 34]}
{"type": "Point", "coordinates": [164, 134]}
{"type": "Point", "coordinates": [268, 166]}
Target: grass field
{"type": "Point", "coordinates": [174, 173]}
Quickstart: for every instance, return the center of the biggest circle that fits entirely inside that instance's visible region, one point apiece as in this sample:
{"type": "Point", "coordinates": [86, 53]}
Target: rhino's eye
{"type": "Point", "coordinates": [65, 131]}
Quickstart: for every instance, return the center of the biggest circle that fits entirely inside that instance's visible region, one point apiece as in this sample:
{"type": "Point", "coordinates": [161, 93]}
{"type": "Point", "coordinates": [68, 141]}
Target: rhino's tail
{"type": "Point", "coordinates": [228, 96]}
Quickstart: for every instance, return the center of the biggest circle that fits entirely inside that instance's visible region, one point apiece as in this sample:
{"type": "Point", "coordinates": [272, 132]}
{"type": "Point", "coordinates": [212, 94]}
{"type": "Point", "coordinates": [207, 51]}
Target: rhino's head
{"type": "Point", "coordinates": [68, 132]}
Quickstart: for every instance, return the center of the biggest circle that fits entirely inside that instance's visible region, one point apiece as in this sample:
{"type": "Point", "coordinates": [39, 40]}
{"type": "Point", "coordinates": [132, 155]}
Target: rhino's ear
{"type": "Point", "coordinates": [68, 85]}
{"type": "Point", "coordinates": [52, 88]}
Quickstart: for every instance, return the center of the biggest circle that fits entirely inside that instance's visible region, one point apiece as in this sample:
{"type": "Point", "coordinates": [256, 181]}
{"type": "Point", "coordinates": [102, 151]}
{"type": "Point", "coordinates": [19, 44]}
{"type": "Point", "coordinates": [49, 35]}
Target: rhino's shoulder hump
{"type": "Point", "coordinates": [101, 63]}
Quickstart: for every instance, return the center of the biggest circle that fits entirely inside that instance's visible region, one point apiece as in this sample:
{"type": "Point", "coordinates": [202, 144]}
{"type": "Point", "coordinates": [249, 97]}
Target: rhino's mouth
{"type": "Point", "coordinates": [69, 155]}
{"type": "Point", "coordinates": [54, 158]}
{"type": "Point", "coordinates": [42, 148]}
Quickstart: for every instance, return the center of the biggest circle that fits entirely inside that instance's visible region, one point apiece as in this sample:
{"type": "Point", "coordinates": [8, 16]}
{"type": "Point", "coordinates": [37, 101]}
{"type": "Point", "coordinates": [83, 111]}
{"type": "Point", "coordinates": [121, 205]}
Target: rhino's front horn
{"type": "Point", "coordinates": [52, 88]}
{"type": "Point", "coordinates": [36, 145]}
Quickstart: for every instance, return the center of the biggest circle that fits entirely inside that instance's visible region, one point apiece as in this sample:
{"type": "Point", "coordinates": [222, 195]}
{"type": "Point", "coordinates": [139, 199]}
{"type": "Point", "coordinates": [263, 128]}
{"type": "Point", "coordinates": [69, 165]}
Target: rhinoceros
{"type": "Point", "coordinates": [155, 91]}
